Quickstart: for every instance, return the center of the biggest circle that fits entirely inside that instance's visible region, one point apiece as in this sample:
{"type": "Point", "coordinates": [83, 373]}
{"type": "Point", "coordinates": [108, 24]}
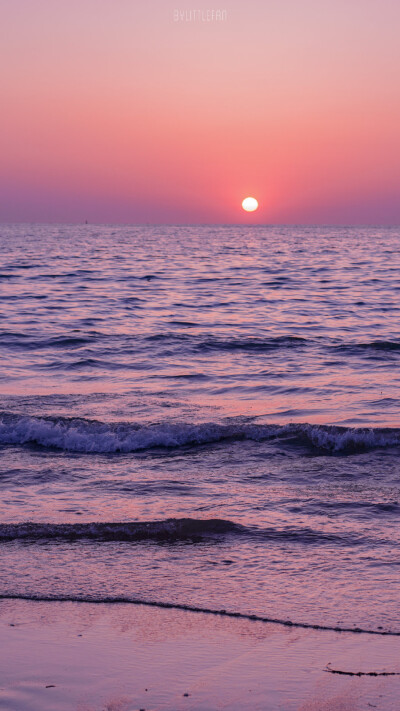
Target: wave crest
{"type": "Point", "coordinates": [93, 436]}
{"type": "Point", "coordinates": [171, 530]}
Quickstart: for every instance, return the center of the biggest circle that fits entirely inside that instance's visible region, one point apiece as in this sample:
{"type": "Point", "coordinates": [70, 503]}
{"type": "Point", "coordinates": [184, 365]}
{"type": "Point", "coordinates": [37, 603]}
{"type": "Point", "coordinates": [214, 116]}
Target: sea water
{"type": "Point", "coordinates": [203, 416]}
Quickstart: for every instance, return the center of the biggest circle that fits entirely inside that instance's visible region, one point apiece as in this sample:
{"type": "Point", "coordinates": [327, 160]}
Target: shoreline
{"type": "Point", "coordinates": [111, 600]}
{"type": "Point", "coordinates": [65, 656]}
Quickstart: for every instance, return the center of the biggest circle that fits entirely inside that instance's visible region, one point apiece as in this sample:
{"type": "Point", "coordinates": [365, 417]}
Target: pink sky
{"type": "Point", "coordinates": [114, 112]}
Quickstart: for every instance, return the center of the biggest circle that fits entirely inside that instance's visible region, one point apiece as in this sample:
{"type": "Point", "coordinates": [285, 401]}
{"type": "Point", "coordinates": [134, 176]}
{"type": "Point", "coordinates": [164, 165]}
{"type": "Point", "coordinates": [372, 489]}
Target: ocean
{"type": "Point", "coordinates": [203, 416]}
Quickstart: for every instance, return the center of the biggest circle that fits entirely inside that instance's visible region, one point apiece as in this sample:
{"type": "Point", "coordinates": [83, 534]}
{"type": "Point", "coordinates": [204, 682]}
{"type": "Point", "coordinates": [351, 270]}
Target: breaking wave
{"type": "Point", "coordinates": [171, 529]}
{"type": "Point", "coordinates": [94, 436]}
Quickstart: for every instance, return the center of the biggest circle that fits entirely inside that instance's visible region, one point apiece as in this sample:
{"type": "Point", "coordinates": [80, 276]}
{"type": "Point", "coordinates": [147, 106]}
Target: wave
{"type": "Point", "coordinates": [197, 343]}
{"type": "Point", "coordinates": [368, 346]}
{"type": "Point", "coordinates": [363, 508]}
{"type": "Point", "coordinates": [169, 529]}
{"type": "Point", "coordinates": [125, 600]}
{"type": "Point", "coordinates": [94, 436]}
{"type": "Point", "coordinates": [23, 341]}
{"type": "Point", "coordinates": [194, 343]}
{"type": "Point", "coordinates": [255, 344]}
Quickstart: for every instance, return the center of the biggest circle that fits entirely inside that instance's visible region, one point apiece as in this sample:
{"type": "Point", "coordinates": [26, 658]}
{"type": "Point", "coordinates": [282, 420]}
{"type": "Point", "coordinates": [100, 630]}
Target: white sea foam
{"type": "Point", "coordinates": [92, 436]}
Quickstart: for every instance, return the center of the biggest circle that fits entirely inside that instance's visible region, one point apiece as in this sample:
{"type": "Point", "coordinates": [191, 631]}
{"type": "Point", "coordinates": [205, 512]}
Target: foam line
{"type": "Point", "coordinates": [194, 608]}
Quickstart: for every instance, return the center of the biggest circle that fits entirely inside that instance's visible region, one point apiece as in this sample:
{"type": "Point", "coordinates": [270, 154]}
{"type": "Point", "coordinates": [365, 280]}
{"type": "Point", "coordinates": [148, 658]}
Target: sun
{"type": "Point", "coordinates": [250, 204]}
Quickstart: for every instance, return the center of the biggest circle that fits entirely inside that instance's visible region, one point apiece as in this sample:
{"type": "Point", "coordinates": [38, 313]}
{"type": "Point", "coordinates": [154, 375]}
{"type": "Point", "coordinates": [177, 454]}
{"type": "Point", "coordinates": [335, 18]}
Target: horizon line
{"type": "Point", "coordinates": [201, 224]}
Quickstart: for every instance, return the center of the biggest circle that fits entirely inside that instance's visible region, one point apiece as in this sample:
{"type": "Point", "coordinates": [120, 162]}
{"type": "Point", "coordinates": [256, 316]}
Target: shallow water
{"type": "Point", "coordinates": [219, 403]}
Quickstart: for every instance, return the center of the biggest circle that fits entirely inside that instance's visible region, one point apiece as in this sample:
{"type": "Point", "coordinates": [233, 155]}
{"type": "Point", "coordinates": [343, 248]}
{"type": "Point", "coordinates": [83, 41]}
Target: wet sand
{"type": "Point", "coordinates": [66, 656]}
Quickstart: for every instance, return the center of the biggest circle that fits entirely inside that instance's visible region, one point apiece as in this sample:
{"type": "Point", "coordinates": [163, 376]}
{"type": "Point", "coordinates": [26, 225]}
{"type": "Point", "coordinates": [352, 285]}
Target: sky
{"type": "Point", "coordinates": [123, 111]}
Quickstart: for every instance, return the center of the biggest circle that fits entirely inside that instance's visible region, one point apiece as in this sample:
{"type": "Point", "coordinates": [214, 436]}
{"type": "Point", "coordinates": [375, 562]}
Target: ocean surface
{"type": "Point", "coordinates": [203, 416]}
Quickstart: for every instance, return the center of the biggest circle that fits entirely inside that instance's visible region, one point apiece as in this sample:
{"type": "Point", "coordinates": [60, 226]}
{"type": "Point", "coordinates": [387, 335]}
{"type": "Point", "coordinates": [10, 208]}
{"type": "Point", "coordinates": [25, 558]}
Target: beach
{"type": "Point", "coordinates": [93, 657]}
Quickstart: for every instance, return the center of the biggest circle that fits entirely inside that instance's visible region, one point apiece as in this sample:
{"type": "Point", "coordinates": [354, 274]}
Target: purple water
{"type": "Point", "coordinates": [203, 415]}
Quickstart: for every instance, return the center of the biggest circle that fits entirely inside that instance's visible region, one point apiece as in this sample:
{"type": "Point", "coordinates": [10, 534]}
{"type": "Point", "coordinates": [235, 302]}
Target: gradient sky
{"type": "Point", "coordinates": [114, 112]}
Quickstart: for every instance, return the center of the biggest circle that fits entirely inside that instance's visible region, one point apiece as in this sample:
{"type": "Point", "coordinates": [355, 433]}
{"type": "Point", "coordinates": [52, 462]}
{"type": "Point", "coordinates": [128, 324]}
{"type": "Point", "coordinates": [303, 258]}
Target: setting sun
{"type": "Point", "coordinates": [250, 204]}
